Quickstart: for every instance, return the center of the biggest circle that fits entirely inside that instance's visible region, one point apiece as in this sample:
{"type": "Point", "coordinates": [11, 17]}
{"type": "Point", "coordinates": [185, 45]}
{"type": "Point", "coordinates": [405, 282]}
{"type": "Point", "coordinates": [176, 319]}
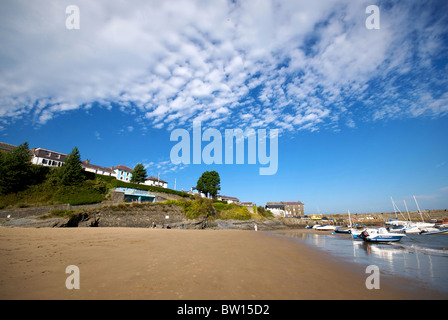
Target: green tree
{"type": "Point", "coordinates": [15, 169]}
{"type": "Point", "coordinates": [139, 175]}
{"type": "Point", "coordinates": [72, 172]}
{"type": "Point", "coordinates": [209, 183]}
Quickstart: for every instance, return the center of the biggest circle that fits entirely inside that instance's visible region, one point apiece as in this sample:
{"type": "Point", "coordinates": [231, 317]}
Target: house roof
{"type": "Point", "coordinates": [293, 203]}
{"type": "Point", "coordinates": [86, 164]}
{"type": "Point", "coordinates": [49, 154]}
{"type": "Point", "coordinates": [229, 198]}
{"type": "Point", "coordinates": [274, 203]}
{"type": "Point", "coordinates": [7, 146]}
{"type": "Point", "coordinates": [155, 179]}
{"type": "Point", "coordinates": [122, 167]}
{"type": "Point", "coordinates": [283, 203]}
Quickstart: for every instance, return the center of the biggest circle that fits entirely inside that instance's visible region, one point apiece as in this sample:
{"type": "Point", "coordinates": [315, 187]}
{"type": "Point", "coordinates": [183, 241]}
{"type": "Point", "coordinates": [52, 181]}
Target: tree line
{"type": "Point", "coordinates": [18, 173]}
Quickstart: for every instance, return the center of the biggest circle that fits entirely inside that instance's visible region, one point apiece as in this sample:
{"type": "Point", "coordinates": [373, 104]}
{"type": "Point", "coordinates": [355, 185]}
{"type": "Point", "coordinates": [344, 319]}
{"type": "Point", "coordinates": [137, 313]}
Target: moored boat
{"type": "Point", "coordinates": [326, 228]}
{"type": "Point", "coordinates": [434, 231]}
{"type": "Point", "coordinates": [356, 233]}
{"type": "Point", "coordinates": [347, 231]}
{"type": "Point", "coordinates": [380, 235]}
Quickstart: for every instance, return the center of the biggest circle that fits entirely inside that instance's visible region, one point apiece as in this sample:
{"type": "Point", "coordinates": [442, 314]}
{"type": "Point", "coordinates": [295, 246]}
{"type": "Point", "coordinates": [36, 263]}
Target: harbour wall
{"type": "Point", "coordinates": [376, 218]}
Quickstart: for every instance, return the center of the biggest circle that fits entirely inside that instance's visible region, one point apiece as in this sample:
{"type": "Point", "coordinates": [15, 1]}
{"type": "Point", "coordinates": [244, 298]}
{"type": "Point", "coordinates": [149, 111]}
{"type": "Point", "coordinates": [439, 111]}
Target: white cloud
{"type": "Point", "coordinates": [298, 65]}
{"type": "Point", "coordinates": [162, 168]}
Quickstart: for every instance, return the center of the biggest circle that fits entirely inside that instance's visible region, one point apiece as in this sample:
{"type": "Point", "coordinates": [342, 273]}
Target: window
{"type": "Point", "coordinates": [48, 153]}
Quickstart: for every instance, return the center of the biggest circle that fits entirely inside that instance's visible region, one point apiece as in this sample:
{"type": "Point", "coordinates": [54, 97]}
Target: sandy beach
{"type": "Point", "coordinates": [133, 263]}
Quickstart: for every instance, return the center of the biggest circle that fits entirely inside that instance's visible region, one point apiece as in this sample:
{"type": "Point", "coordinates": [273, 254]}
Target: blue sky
{"type": "Point", "coordinates": [362, 114]}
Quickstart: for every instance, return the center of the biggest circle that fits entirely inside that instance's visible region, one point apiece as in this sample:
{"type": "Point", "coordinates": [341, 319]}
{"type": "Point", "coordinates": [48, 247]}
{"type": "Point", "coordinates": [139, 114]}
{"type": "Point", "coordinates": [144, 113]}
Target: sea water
{"type": "Point", "coordinates": [423, 258]}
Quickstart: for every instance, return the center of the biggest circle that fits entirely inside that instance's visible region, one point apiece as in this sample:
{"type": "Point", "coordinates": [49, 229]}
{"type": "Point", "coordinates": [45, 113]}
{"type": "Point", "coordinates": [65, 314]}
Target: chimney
{"type": "Point", "coordinates": [87, 161]}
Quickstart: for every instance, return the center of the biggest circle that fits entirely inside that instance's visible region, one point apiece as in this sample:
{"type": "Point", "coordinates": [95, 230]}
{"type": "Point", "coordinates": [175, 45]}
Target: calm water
{"type": "Point", "coordinates": [422, 258]}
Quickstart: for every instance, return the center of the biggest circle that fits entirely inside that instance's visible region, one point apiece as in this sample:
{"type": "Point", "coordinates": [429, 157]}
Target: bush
{"type": "Point", "coordinates": [77, 195]}
{"type": "Point", "coordinates": [199, 207]}
{"type": "Point", "coordinates": [231, 211]}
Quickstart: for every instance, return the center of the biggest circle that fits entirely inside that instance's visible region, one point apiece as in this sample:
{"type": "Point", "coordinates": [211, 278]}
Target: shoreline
{"type": "Point", "coordinates": [161, 264]}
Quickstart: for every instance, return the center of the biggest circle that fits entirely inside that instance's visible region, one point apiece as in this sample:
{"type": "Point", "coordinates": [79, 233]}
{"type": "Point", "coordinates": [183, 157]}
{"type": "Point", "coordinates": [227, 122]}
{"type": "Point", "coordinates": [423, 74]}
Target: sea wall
{"type": "Point", "coordinates": [372, 219]}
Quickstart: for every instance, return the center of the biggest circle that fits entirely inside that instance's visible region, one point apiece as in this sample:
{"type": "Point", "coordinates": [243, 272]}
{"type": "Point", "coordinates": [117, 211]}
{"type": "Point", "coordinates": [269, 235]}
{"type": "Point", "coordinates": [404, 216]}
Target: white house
{"type": "Point", "coordinates": [153, 181]}
{"type": "Point", "coordinates": [46, 157]}
{"type": "Point", "coordinates": [87, 166]}
{"type": "Point", "coordinates": [123, 173]}
{"type": "Point", "coordinates": [286, 208]}
{"type": "Point", "coordinates": [229, 199]}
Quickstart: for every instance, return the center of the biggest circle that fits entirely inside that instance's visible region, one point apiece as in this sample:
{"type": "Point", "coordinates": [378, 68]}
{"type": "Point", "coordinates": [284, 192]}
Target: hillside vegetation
{"type": "Point", "coordinates": [23, 184]}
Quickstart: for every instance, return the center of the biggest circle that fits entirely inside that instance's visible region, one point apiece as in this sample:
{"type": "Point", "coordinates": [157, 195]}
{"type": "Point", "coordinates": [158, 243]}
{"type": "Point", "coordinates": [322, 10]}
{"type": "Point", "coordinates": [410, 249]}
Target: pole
{"type": "Point", "coordinates": [407, 210]}
{"type": "Point", "coordinates": [418, 208]}
{"type": "Point", "coordinates": [349, 219]}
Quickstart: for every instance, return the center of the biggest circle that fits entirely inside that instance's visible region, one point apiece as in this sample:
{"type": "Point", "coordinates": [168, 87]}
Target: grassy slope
{"type": "Point", "coordinates": [95, 190]}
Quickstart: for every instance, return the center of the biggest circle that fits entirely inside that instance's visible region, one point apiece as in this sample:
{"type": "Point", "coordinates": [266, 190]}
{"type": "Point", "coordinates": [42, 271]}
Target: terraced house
{"type": "Point", "coordinates": [123, 173]}
{"type": "Point", "coordinates": [46, 157]}
{"type": "Point", "coordinates": [50, 158]}
{"type": "Point", "coordinates": [286, 208]}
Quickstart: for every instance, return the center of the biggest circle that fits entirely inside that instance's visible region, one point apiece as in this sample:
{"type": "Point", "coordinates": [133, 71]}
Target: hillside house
{"type": "Point", "coordinates": [48, 158]}
{"type": "Point", "coordinates": [286, 208]}
{"type": "Point", "coordinates": [87, 166]}
{"type": "Point", "coordinates": [153, 181]}
{"type": "Point", "coordinates": [247, 204]}
{"type": "Point", "coordinates": [193, 191]}
{"type": "Point", "coordinates": [6, 147]}
{"type": "Point", "coordinates": [228, 199]}
{"type": "Point", "coordinates": [123, 173]}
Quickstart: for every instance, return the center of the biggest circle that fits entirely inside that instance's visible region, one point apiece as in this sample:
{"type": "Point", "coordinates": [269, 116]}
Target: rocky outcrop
{"type": "Point", "coordinates": [247, 224]}
{"type": "Point", "coordinates": [138, 216]}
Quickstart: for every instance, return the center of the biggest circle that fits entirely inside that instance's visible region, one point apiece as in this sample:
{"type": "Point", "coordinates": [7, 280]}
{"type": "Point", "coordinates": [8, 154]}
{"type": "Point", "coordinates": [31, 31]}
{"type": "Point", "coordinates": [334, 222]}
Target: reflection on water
{"type": "Point", "coordinates": [424, 258]}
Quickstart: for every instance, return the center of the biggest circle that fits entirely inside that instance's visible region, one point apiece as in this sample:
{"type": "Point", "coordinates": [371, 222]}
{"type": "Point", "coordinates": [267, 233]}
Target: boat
{"type": "Point", "coordinates": [346, 231]}
{"type": "Point", "coordinates": [356, 233]}
{"type": "Point", "coordinates": [430, 231]}
{"type": "Point", "coordinates": [326, 228]}
{"type": "Point", "coordinates": [397, 228]}
{"type": "Point", "coordinates": [417, 227]}
{"type": "Point", "coordinates": [380, 235]}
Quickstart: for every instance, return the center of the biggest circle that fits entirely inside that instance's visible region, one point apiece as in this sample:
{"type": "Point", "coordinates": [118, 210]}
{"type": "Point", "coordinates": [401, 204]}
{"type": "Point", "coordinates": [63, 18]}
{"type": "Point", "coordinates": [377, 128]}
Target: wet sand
{"type": "Point", "coordinates": [133, 263]}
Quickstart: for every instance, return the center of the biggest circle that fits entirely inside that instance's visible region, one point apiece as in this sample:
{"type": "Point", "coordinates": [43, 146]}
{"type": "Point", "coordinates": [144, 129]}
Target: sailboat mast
{"type": "Point", "coordinates": [349, 219]}
{"type": "Point", "coordinates": [395, 210]}
{"type": "Point", "coordinates": [418, 209]}
{"type": "Point", "coordinates": [407, 210]}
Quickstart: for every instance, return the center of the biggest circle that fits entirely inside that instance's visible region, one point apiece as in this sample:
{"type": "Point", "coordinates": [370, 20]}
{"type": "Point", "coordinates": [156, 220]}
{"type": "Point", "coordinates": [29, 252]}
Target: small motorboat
{"type": "Point", "coordinates": [380, 235]}
{"type": "Point", "coordinates": [347, 231]}
{"type": "Point", "coordinates": [356, 233]}
{"type": "Point", "coordinates": [430, 231]}
{"type": "Point", "coordinates": [397, 228]}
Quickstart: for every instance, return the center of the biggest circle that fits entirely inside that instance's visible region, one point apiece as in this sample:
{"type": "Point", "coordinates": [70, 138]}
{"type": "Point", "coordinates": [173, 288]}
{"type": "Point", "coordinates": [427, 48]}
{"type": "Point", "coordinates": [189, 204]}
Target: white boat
{"type": "Point", "coordinates": [397, 228]}
{"type": "Point", "coordinates": [356, 233]}
{"type": "Point", "coordinates": [430, 231]}
{"type": "Point", "coordinates": [380, 235]}
{"type": "Point", "coordinates": [326, 228]}
{"type": "Point", "coordinates": [417, 227]}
